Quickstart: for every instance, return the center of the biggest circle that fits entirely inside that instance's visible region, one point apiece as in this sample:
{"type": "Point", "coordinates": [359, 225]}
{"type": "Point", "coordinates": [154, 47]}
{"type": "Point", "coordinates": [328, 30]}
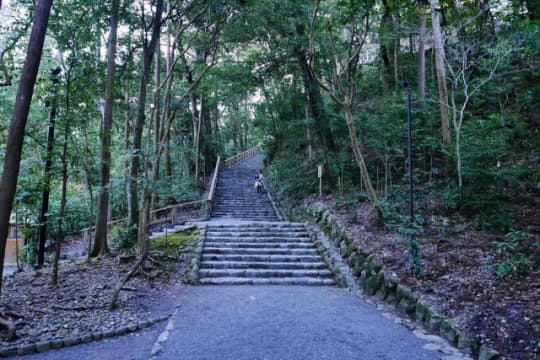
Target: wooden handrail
{"type": "Point", "coordinates": [170, 207]}
{"type": "Point", "coordinates": [213, 184]}
{"type": "Point", "coordinates": [243, 155]}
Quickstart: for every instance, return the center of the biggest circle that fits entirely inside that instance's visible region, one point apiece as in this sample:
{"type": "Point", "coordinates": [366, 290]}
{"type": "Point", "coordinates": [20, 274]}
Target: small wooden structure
{"type": "Point", "coordinates": [14, 243]}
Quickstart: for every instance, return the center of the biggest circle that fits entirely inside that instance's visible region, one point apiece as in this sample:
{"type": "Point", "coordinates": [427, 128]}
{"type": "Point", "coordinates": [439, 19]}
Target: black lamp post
{"type": "Point", "coordinates": [414, 246]}
{"type": "Point", "coordinates": [410, 155]}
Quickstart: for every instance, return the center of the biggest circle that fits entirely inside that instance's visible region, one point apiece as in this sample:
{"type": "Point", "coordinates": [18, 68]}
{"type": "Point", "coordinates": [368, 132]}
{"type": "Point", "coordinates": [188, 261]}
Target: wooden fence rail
{"type": "Point", "coordinates": [243, 155]}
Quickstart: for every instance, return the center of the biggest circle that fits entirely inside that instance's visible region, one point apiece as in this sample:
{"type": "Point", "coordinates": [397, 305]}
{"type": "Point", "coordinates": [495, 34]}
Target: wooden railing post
{"type": "Point", "coordinates": [213, 184]}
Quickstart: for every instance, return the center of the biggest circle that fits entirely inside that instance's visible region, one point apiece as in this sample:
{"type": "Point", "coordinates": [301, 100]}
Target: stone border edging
{"type": "Point", "coordinates": [43, 346]}
{"type": "Point", "coordinates": [193, 272]}
{"type": "Point", "coordinates": [374, 281]}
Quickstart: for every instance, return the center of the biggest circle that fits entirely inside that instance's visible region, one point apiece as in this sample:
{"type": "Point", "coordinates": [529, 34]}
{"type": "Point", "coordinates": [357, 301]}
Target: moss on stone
{"type": "Point", "coordinates": [170, 243]}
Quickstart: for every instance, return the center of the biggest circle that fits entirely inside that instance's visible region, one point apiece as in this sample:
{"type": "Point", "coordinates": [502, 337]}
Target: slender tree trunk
{"type": "Point", "coordinates": [397, 50]}
{"type": "Point", "coordinates": [100, 243]}
{"type": "Point", "coordinates": [441, 72]}
{"type": "Point", "coordinates": [148, 55]}
{"type": "Point", "coordinates": [10, 174]}
{"type": "Point", "coordinates": [359, 157]}
{"type": "Point", "coordinates": [63, 200]}
{"type": "Point", "coordinates": [422, 59]}
{"type": "Point", "coordinates": [157, 120]}
{"type": "Point", "coordinates": [43, 217]}
{"type": "Point", "coordinates": [316, 103]}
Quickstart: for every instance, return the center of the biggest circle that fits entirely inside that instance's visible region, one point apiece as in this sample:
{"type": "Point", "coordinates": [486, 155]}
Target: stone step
{"type": "Point", "coordinates": [258, 251]}
{"type": "Point", "coordinates": [267, 281]}
{"type": "Point", "coordinates": [261, 258]}
{"type": "Point", "coordinates": [240, 234]}
{"type": "Point", "coordinates": [265, 273]}
{"type": "Point", "coordinates": [259, 227]}
{"type": "Point", "coordinates": [260, 265]}
{"type": "Point", "coordinates": [247, 218]}
{"type": "Point", "coordinates": [265, 239]}
{"type": "Point", "coordinates": [264, 245]}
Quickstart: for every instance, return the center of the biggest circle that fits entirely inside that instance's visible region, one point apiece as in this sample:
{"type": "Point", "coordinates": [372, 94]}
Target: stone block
{"type": "Point", "coordinates": [403, 292]}
{"type": "Point", "coordinates": [87, 338]}
{"type": "Point", "coordinates": [465, 342]}
{"type": "Point", "coordinates": [488, 354]}
{"type": "Point", "coordinates": [421, 308]}
{"type": "Point", "coordinates": [370, 284]}
{"type": "Point", "coordinates": [72, 341]}
{"type": "Point", "coordinates": [97, 335]}
{"type": "Point", "coordinates": [447, 331]}
{"type": "Point", "coordinates": [121, 331]}
{"type": "Point", "coordinates": [26, 349]}
{"type": "Point", "coordinates": [57, 344]}
{"type": "Point", "coordinates": [43, 346]}
{"type": "Point", "coordinates": [8, 352]}
{"type": "Point", "coordinates": [434, 322]}
{"type": "Point", "coordinates": [406, 306]}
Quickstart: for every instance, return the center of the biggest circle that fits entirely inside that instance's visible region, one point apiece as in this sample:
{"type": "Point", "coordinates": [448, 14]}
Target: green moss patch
{"type": "Point", "coordinates": [173, 242]}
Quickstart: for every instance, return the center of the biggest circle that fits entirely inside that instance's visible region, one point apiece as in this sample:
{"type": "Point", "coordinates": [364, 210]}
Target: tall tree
{"type": "Point", "coordinates": [100, 243]}
{"type": "Point", "coordinates": [10, 174]}
{"type": "Point", "coordinates": [341, 84]}
{"type": "Point", "coordinates": [149, 48]}
{"type": "Point", "coordinates": [43, 215]}
{"type": "Point", "coordinates": [438, 48]}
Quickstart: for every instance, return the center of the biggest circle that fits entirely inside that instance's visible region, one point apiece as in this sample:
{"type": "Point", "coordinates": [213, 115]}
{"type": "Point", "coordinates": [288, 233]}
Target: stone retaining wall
{"type": "Point", "coordinates": [372, 278]}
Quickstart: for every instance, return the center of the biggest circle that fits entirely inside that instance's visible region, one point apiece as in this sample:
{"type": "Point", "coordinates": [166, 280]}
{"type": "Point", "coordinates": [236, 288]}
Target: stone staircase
{"type": "Point", "coordinates": [261, 254]}
{"type": "Point", "coordinates": [236, 197]}
{"type": "Point", "coordinates": [245, 243]}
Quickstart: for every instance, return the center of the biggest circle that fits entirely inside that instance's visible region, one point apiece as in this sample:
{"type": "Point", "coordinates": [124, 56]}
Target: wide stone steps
{"type": "Point", "coordinates": [258, 251]}
{"type": "Point", "coordinates": [264, 273]}
{"type": "Point", "coordinates": [257, 245]}
{"type": "Point", "coordinates": [267, 281]}
{"type": "Point", "coordinates": [259, 258]}
{"type": "Point", "coordinates": [261, 265]}
{"type": "Point", "coordinates": [268, 240]}
{"type": "Point", "coordinates": [254, 247]}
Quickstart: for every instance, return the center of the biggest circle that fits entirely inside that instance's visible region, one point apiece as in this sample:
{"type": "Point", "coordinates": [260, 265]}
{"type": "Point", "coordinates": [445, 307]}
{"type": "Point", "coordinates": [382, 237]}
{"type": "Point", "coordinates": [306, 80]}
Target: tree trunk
{"type": "Point", "coordinates": [441, 72]}
{"type": "Point", "coordinates": [148, 54]}
{"type": "Point", "coordinates": [43, 216]}
{"type": "Point", "coordinates": [100, 243]}
{"type": "Point", "coordinates": [320, 118]}
{"type": "Point", "coordinates": [422, 59]}
{"type": "Point", "coordinates": [63, 200]}
{"type": "Point", "coordinates": [397, 50]}
{"type": "Point", "coordinates": [8, 184]}
{"type": "Point", "coordinates": [359, 157]}
{"type": "Point", "coordinates": [157, 120]}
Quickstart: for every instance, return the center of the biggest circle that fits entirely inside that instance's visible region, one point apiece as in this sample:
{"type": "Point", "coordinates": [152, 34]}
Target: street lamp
{"type": "Point", "coordinates": [414, 247]}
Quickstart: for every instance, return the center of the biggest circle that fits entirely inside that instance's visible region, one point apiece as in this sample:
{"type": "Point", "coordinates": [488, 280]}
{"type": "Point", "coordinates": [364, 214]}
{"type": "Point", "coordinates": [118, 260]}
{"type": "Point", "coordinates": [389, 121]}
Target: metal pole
{"type": "Point", "coordinates": [410, 151]}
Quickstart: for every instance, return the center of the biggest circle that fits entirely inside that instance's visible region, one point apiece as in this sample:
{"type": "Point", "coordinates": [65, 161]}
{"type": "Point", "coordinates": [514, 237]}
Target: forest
{"type": "Point", "coordinates": [111, 109]}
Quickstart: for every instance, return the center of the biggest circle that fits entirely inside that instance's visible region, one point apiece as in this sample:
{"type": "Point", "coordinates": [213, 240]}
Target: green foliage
{"type": "Point", "coordinates": [514, 262]}
{"type": "Point", "coordinates": [121, 237]}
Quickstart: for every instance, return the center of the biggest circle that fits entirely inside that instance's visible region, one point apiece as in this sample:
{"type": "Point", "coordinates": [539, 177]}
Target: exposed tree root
{"type": "Point", "coordinates": [126, 278]}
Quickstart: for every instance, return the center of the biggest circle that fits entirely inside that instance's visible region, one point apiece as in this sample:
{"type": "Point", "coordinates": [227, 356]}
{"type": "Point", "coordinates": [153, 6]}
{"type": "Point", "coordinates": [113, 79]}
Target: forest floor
{"type": "Point", "coordinates": [459, 280]}
{"type": "Point", "coordinates": [79, 304]}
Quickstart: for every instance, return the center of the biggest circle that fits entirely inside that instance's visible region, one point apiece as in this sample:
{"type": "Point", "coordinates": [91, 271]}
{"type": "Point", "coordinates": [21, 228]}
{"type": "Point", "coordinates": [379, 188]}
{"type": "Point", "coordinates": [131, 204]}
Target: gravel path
{"type": "Point", "coordinates": [284, 322]}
